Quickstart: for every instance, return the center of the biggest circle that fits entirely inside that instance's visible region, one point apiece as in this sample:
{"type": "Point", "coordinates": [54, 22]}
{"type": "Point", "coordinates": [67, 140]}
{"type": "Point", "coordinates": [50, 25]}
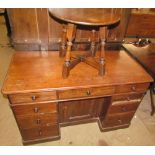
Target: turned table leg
{"type": "Point", "coordinates": [93, 40]}
{"type": "Point", "coordinates": [102, 60]}
{"type": "Point", "coordinates": [63, 42]}
{"type": "Point", "coordinates": [102, 33]}
{"type": "Point", "coordinates": [70, 36]}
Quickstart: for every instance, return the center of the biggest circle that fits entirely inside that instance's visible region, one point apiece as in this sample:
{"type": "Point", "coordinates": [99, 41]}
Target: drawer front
{"type": "Point", "coordinates": [118, 119]}
{"type": "Point", "coordinates": [40, 133]}
{"type": "Point", "coordinates": [86, 92]}
{"type": "Point", "coordinates": [128, 97]}
{"type": "Point", "coordinates": [121, 107]}
{"type": "Point", "coordinates": [35, 109]}
{"type": "Point", "coordinates": [34, 121]}
{"type": "Point", "coordinates": [32, 97]}
{"type": "Point", "coordinates": [134, 88]}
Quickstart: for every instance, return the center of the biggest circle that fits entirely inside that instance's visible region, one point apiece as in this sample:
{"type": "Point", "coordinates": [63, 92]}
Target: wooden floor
{"type": "Point", "coordinates": [141, 131]}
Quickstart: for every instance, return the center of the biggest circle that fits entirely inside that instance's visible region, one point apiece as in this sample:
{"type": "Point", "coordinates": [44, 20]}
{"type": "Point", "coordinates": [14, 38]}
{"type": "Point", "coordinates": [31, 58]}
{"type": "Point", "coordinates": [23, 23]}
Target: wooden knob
{"type": "Point", "coordinates": [128, 98]}
{"type": "Point", "coordinates": [88, 93]}
{"type": "Point", "coordinates": [124, 109]}
{"type": "Point", "coordinates": [133, 88]}
{"type": "Point", "coordinates": [40, 132]}
{"type": "Point", "coordinates": [120, 121]}
{"type": "Point", "coordinates": [33, 98]}
{"type": "Point", "coordinates": [38, 121]}
{"type": "Point", "coordinates": [36, 109]}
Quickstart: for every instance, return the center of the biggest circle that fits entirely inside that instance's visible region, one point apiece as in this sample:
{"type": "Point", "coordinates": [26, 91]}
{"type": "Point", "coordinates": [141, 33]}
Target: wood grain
{"type": "Point", "coordinates": [44, 74]}
{"type": "Point", "coordinates": [31, 27]}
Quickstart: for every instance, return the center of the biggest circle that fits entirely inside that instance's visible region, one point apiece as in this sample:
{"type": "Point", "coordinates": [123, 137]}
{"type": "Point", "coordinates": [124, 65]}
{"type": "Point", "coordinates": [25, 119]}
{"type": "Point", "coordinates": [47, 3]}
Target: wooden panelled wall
{"type": "Point", "coordinates": [142, 23]}
{"type": "Point", "coordinates": [34, 29]}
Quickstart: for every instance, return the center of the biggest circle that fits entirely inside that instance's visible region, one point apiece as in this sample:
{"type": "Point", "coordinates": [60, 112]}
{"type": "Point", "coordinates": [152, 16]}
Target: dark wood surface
{"type": "Point", "coordinates": [38, 71]}
{"type": "Point", "coordinates": [34, 29]}
{"type": "Point", "coordinates": [144, 55]}
{"type": "Point", "coordinates": [85, 16]}
{"type": "Point", "coordinates": [141, 23]}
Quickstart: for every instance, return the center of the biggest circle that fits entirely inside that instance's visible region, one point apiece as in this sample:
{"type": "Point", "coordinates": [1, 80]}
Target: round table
{"type": "Point", "coordinates": [93, 18]}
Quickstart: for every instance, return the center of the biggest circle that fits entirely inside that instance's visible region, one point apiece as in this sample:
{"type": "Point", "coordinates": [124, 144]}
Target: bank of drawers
{"type": "Point", "coordinates": [122, 109]}
{"type": "Point", "coordinates": [101, 91]}
{"type": "Point", "coordinates": [37, 113]}
{"type": "Point", "coordinates": [76, 93]}
{"type": "Point", "coordinates": [37, 118]}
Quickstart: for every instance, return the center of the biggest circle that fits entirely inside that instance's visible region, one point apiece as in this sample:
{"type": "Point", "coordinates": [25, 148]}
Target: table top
{"type": "Point", "coordinates": [144, 55]}
{"type": "Point", "coordinates": [36, 71]}
{"type": "Point", "coordinates": [86, 16]}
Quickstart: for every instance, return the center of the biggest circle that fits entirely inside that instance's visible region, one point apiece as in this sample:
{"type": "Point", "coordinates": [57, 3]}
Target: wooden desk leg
{"type": "Point", "coordinates": [152, 100]}
{"type": "Point", "coordinates": [63, 42]}
{"type": "Point", "coordinates": [71, 28]}
{"type": "Point", "coordinates": [93, 40]}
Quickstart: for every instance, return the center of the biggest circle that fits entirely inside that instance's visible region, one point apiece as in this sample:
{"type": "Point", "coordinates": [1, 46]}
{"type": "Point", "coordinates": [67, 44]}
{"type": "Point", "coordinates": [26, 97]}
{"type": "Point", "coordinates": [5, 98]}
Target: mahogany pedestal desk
{"type": "Point", "coordinates": [42, 101]}
{"type": "Point", "coordinates": [92, 18]}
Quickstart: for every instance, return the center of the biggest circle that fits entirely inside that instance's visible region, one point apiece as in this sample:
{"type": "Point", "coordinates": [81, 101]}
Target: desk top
{"type": "Point", "coordinates": [36, 71]}
{"type": "Point", "coordinates": [85, 16]}
{"type": "Point", "coordinates": [144, 55]}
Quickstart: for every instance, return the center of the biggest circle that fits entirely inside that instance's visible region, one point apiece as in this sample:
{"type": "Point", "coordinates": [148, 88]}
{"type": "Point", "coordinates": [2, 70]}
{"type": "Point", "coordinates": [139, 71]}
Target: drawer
{"type": "Point", "coordinates": [132, 88]}
{"type": "Point", "coordinates": [122, 107]}
{"type": "Point", "coordinates": [40, 133]}
{"type": "Point", "coordinates": [38, 108]}
{"type": "Point", "coordinates": [33, 121]}
{"type": "Point", "coordinates": [86, 92]}
{"type": "Point", "coordinates": [118, 119]}
{"type": "Point", "coordinates": [32, 97]}
{"type": "Point", "coordinates": [128, 97]}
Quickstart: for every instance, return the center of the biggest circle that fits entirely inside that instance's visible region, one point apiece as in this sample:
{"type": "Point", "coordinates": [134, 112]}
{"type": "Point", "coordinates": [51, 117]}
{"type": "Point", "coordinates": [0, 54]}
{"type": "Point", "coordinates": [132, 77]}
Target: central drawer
{"type": "Point", "coordinates": [38, 108]}
{"type": "Point", "coordinates": [86, 92]}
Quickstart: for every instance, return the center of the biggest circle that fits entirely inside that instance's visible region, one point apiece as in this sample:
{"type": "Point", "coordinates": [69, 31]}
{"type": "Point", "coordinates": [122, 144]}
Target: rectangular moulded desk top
{"type": "Point", "coordinates": [35, 71]}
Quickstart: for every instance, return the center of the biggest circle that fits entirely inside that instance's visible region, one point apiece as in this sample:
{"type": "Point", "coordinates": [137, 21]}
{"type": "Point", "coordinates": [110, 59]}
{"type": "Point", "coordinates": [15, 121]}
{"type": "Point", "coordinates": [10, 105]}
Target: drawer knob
{"type": "Point", "coordinates": [33, 98]}
{"type": "Point", "coordinates": [124, 109]}
{"type": "Point", "coordinates": [88, 93]}
{"type": "Point", "coordinates": [133, 88]}
{"type": "Point", "coordinates": [40, 132]}
{"type": "Point", "coordinates": [36, 109]}
{"type": "Point", "coordinates": [128, 98]}
{"type": "Point", "coordinates": [38, 121]}
{"type": "Point", "coordinates": [120, 121]}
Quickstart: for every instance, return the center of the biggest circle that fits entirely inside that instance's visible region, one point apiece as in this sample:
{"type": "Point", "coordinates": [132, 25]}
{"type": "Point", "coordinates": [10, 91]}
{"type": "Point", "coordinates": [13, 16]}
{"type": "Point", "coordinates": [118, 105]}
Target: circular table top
{"type": "Point", "coordinates": [85, 16]}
